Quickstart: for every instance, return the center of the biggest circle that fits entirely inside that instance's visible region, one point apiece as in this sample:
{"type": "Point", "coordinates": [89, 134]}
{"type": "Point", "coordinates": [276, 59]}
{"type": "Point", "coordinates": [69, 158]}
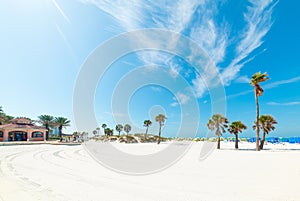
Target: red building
{"type": "Point", "coordinates": [22, 129]}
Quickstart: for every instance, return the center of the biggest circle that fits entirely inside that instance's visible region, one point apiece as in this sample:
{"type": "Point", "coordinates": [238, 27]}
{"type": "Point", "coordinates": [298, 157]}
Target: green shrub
{"type": "Point", "coordinates": [53, 138]}
{"type": "Point", "coordinates": [196, 139]}
{"type": "Point", "coordinates": [212, 139]}
{"type": "Point", "coordinates": [203, 139]}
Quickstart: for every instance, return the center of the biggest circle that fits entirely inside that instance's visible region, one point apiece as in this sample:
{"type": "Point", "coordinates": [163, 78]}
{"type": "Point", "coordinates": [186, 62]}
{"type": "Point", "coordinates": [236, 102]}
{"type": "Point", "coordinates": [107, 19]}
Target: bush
{"type": "Point", "coordinates": [196, 139]}
{"type": "Point", "coordinates": [212, 139]}
{"type": "Point", "coordinates": [203, 139]}
{"type": "Point", "coordinates": [130, 139]}
{"type": "Point", "coordinates": [53, 138]}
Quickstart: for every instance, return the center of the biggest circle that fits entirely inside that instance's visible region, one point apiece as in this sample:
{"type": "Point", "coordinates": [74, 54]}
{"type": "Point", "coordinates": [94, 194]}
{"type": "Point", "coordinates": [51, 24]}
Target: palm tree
{"type": "Point", "coordinates": [119, 128]}
{"type": "Point", "coordinates": [235, 128]}
{"type": "Point", "coordinates": [104, 127]}
{"type": "Point", "coordinates": [108, 131]}
{"type": "Point", "coordinates": [127, 128]}
{"type": "Point", "coordinates": [95, 132]}
{"type": "Point", "coordinates": [4, 118]}
{"type": "Point", "coordinates": [8, 118]}
{"type": "Point", "coordinates": [219, 123]}
{"type": "Point", "coordinates": [98, 130]}
{"type": "Point", "coordinates": [61, 122]}
{"type": "Point", "coordinates": [258, 91]}
{"type": "Point", "coordinates": [147, 123]}
{"type": "Point", "coordinates": [266, 124]}
{"type": "Point", "coordinates": [161, 118]}
{"type": "Point", "coordinates": [47, 121]}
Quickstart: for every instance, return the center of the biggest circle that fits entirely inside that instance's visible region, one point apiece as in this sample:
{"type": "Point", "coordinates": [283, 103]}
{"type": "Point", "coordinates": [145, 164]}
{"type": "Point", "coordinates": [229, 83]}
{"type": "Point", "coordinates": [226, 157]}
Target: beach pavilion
{"type": "Point", "coordinates": [22, 129]}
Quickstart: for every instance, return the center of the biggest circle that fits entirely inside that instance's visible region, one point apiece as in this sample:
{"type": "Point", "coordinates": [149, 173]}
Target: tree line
{"type": "Point", "coordinates": [217, 122]}
{"type": "Point", "coordinates": [266, 123]}
{"type": "Point", "coordinates": [160, 119]}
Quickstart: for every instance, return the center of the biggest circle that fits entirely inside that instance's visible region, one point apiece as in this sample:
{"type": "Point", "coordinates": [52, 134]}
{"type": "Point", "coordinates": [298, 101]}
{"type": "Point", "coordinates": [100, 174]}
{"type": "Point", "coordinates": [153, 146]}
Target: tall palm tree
{"type": "Point", "coordinates": [4, 118]}
{"type": "Point", "coordinates": [98, 130]}
{"type": "Point", "coordinates": [104, 127]}
{"type": "Point", "coordinates": [127, 128]}
{"type": "Point", "coordinates": [8, 118]}
{"type": "Point", "coordinates": [47, 121]}
{"type": "Point", "coordinates": [61, 122]}
{"type": "Point", "coordinates": [266, 124]}
{"type": "Point", "coordinates": [119, 128]}
{"type": "Point", "coordinates": [95, 132]}
{"type": "Point", "coordinates": [109, 131]}
{"type": "Point", "coordinates": [257, 78]}
{"type": "Point", "coordinates": [218, 122]}
{"type": "Point", "coordinates": [235, 128]}
{"type": "Point", "coordinates": [161, 118]}
{"type": "Point", "coordinates": [147, 123]}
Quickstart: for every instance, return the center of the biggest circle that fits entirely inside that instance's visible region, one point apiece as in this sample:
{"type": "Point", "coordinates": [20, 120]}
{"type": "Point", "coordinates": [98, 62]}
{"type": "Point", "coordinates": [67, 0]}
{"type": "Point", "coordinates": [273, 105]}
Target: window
{"type": "Point", "coordinates": [37, 134]}
{"type": "Point", "coordinates": [1, 134]}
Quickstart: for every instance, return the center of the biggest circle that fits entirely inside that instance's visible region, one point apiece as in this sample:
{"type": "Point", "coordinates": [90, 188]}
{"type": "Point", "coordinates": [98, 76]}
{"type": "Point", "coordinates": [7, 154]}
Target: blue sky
{"type": "Point", "coordinates": [44, 44]}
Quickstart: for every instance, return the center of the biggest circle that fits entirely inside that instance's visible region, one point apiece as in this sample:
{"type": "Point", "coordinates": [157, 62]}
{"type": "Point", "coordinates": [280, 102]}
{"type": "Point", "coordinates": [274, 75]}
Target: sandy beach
{"type": "Point", "coordinates": [51, 172]}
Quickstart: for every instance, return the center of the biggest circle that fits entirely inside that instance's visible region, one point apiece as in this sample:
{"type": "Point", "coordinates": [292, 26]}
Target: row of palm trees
{"type": "Point", "coordinates": [109, 131]}
{"type": "Point", "coordinates": [49, 122]}
{"type": "Point", "coordinates": [217, 121]}
{"type": "Point", "coordinates": [220, 123]}
{"type": "Point", "coordinates": [161, 118]}
{"type": "Point", "coordinates": [264, 122]}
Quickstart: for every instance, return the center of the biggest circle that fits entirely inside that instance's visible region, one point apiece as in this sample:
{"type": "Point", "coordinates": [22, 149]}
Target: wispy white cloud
{"type": "Point", "coordinates": [268, 86]}
{"type": "Point", "coordinates": [200, 21]}
{"type": "Point", "coordinates": [129, 63]}
{"type": "Point", "coordinates": [66, 42]}
{"type": "Point", "coordinates": [243, 79]}
{"type": "Point", "coordinates": [282, 82]}
{"type": "Point", "coordinates": [174, 104]}
{"type": "Point", "coordinates": [259, 21]}
{"type": "Point", "coordinates": [215, 38]}
{"type": "Point", "coordinates": [61, 11]}
{"type": "Point", "coordinates": [137, 14]}
{"type": "Point", "coordinates": [181, 98]}
{"type": "Point", "coordinates": [239, 94]}
{"type": "Point", "coordinates": [174, 70]}
{"type": "Point", "coordinates": [284, 104]}
{"type": "Point", "coordinates": [199, 86]}
{"type": "Point", "coordinates": [212, 37]}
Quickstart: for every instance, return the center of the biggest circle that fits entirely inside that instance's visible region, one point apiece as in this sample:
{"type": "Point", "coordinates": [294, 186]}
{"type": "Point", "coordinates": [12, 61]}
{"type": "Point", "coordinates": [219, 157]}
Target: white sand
{"type": "Point", "coordinates": [53, 172]}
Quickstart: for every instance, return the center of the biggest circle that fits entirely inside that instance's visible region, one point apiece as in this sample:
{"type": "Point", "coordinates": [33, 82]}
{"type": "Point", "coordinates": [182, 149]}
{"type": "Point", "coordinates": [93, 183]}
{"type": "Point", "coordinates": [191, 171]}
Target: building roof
{"type": "Point", "coordinates": [21, 126]}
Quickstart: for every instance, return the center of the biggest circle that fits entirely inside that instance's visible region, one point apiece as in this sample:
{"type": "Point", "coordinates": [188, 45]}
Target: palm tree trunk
{"type": "Point", "coordinates": [219, 137]}
{"type": "Point", "coordinates": [60, 133]}
{"type": "Point", "coordinates": [158, 141]}
{"type": "Point", "coordinates": [257, 119]}
{"type": "Point", "coordinates": [236, 142]}
{"type": "Point", "coordinates": [47, 132]}
{"type": "Point", "coordinates": [262, 142]}
{"type": "Point", "coordinates": [146, 133]}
